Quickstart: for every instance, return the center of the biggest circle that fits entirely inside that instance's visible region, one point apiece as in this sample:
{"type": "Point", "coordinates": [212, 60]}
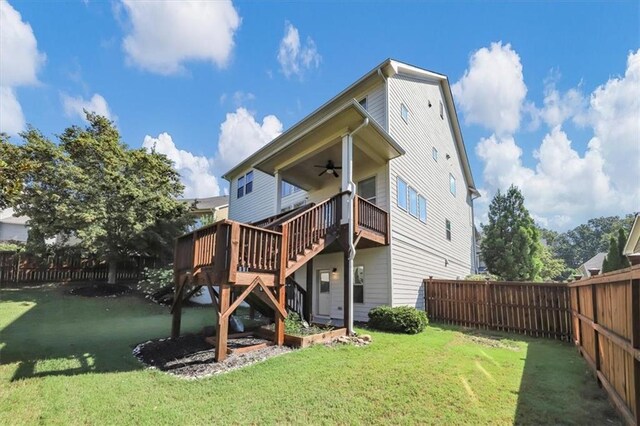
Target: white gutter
{"type": "Point", "coordinates": [352, 194]}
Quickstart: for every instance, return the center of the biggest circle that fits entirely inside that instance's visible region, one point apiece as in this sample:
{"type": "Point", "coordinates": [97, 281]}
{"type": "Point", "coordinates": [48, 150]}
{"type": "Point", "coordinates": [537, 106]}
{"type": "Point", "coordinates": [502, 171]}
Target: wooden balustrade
{"type": "Point", "coordinates": [370, 217]}
{"type": "Point", "coordinates": [296, 296]}
{"type": "Point", "coordinates": [259, 249]}
{"type": "Point", "coordinates": [308, 227]}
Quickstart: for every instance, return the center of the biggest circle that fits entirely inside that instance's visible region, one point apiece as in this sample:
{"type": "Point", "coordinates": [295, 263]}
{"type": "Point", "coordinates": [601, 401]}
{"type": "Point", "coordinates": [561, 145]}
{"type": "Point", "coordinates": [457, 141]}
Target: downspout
{"type": "Point", "coordinates": [352, 194]}
{"type": "Point", "coordinates": [473, 226]}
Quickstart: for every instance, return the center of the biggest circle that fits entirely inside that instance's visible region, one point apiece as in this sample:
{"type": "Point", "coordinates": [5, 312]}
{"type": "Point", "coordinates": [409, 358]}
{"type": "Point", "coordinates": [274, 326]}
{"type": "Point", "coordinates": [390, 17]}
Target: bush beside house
{"type": "Point", "coordinates": [400, 319]}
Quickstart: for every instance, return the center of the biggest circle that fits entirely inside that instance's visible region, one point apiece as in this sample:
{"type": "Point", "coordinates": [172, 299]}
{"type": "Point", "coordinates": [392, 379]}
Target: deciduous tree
{"type": "Point", "coordinates": [95, 193]}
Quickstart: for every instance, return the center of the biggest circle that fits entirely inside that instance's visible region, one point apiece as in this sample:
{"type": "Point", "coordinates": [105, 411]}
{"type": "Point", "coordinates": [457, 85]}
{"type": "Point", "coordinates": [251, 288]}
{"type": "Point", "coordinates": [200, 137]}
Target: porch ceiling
{"type": "Point", "coordinates": [296, 161]}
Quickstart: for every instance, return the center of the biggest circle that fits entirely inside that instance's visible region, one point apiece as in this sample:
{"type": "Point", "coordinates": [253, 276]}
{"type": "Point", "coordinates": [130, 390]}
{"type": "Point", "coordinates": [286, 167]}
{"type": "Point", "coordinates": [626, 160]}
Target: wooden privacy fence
{"type": "Point", "coordinates": [533, 309]}
{"type": "Point", "coordinates": [606, 323]}
{"type": "Point", "coordinates": [18, 268]}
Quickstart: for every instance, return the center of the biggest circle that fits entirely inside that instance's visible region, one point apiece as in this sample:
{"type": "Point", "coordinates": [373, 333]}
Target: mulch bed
{"type": "Point", "coordinates": [190, 357]}
{"type": "Point", "coordinates": [100, 290]}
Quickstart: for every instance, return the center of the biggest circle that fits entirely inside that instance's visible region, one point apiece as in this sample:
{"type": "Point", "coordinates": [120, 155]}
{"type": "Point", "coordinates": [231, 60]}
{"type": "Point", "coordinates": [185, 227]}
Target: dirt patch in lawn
{"type": "Point", "coordinates": [100, 290]}
{"type": "Point", "coordinates": [190, 357]}
{"type": "Point", "coordinates": [491, 341]}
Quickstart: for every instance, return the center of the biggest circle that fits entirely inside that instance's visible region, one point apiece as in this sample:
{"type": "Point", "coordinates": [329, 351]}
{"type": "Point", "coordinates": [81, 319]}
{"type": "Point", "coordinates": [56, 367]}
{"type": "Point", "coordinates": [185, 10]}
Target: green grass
{"type": "Point", "coordinates": [67, 359]}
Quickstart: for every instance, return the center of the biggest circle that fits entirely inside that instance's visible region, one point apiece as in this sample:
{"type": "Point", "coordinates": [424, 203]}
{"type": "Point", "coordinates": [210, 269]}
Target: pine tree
{"type": "Point", "coordinates": [610, 263]}
{"type": "Point", "coordinates": [511, 246]}
{"type": "Point", "coordinates": [622, 241]}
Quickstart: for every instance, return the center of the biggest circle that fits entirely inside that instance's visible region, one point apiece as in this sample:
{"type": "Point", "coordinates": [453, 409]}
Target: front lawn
{"type": "Point", "coordinates": [67, 359]}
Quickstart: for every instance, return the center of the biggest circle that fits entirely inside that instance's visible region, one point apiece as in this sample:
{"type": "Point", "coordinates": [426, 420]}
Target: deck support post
{"type": "Point", "coordinates": [222, 328]}
{"type": "Point", "coordinates": [278, 204]}
{"type": "Point", "coordinates": [309, 294]}
{"type": "Point", "coordinates": [176, 309]}
{"type": "Point", "coordinates": [282, 301]}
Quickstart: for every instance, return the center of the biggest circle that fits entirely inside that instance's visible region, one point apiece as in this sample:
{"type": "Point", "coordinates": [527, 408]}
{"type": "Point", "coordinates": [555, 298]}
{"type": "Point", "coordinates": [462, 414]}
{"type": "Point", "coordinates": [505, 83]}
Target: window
{"type": "Point", "coordinates": [367, 189]}
{"type": "Point", "coordinates": [402, 194]}
{"type": "Point", "coordinates": [413, 202]}
{"type": "Point", "coordinates": [287, 189]}
{"type": "Point", "coordinates": [248, 186]}
{"type": "Point", "coordinates": [452, 184]}
{"type": "Point", "coordinates": [434, 153]}
{"type": "Point", "coordinates": [441, 110]}
{"type": "Point", "coordinates": [422, 208]}
{"type": "Point", "coordinates": [363, 102]}
{"type": "Point", "coordinates": [404, 113]}
{"type": "Point", "coordinates": [245, 184]}
{"type": "Point", "coordinates": [447, 224]}
{"type": "Point", "coordinates": [358, 284]}
{"type": "Point", "coordinates": [241, 187]}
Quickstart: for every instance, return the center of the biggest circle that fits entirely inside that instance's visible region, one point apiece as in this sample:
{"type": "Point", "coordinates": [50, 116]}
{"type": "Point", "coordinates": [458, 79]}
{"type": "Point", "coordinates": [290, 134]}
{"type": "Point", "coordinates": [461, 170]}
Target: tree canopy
{"type": "Point", "coordinates": [615, 258]}
{"type": "Point", "coordinates": [91, 191]}
{"type": "Point", "coordinates": [510, 245]}
{"type": "Point", "coordinates": [12, 170]}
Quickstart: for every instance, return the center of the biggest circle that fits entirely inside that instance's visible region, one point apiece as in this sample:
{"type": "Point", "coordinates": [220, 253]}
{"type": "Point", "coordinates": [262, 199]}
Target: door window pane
{"type": "Point", "coordinates": [324, 282]}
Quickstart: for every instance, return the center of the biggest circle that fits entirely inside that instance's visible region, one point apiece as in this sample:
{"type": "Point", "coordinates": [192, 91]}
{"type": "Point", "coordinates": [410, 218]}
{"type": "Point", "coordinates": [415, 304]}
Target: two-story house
{"type": "Point", "coordinates": [366, 197]}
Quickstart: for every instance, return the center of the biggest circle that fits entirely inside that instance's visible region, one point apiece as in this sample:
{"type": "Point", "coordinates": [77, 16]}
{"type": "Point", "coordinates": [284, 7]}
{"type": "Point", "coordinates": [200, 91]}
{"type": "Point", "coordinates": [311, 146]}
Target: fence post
{"type": "Point", "coordinates": [596, 339]}
{"type": "Point", "coordinates": [635, 342]}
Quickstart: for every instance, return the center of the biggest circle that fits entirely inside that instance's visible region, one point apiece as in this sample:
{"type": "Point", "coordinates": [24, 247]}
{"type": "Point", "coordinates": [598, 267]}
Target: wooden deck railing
{"type": "Point", "coordinates": [259, 249]}
{"type": "Point", "coordinates": [370, 217]}
{"type": "Point", "coordinates": [606, 325]}
{"type": "Point", "coordinates": [308, 227]}
{"type": "Point", "coordinates": [296, 296]}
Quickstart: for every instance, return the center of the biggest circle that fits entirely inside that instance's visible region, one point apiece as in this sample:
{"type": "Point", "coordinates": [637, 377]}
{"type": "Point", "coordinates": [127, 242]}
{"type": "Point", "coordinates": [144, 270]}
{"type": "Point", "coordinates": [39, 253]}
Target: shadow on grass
{"type": "Point", "coordinates": [556, 386]}
{"type": "Point", "coordinates": [49, 332]}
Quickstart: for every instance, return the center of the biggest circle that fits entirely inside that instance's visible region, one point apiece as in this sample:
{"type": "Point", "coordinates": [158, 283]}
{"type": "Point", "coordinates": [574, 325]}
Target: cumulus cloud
{"type": "Point", "coordinates": [165, 35]}
{"type": "Point", "coordinates": [11, 116]}
{"type": "Point", "coordinates": [565, 187]}
{"type": "Point", "coordinates": [294, 57]}
{"type": "Point", "coordinates": [196, 171]}
{"type": "Point", "coordinates": [492, 91]}
{"type": "Point", "coordinates": [241, 135]}
{"type": "Point", "coordinates": [20, 62]}
{"type": "Point", "coordinates": [75, 106]}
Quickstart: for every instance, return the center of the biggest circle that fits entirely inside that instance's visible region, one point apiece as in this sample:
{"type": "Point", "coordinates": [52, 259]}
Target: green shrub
{"type": "Point", "coordinates": [155, 279]}
{"type": "Point", "coordinates": [482, 277]}
{"type": "Point", "coordinates": [401, 319]}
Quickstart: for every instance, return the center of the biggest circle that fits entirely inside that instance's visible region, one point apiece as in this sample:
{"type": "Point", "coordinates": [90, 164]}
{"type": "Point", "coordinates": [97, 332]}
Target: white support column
{"type": "Point", "coordinates": [278, 203]}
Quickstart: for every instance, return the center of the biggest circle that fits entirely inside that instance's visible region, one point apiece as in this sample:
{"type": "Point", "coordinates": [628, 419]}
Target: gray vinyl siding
{"type": "Point", "coordinates": [376, 99]}
{"type": "Point", "coordinates": [260, 203]}
{"type": "Point", "coordinates": [419, 250]}
{"type": "Point", "coordinates": [376, 288]}
{"type": "Point", "coordinates": [13, 232]}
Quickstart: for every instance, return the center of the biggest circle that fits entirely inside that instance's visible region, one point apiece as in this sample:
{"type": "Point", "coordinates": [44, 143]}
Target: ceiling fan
{"type": "Point", "coordinates": [330, 168]}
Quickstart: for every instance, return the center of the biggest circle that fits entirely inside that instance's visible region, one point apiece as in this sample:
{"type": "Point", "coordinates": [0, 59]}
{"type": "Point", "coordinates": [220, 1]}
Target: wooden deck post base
{"type": "Point", "coordinates": [222, 328]}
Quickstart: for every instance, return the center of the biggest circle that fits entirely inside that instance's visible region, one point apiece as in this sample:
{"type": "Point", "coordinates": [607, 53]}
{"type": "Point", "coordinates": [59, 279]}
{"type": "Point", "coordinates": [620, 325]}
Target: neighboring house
{"type": "Point", "coordinates": [211, 208]}
{"type": "Point", "coordinates": [13, 228]}
{"type": "Point", "coordinates": [632, 247]}
{"type": "Point", "coordinates": [592, 266]}
{"type": "Point", "coordinates": [394, 135]}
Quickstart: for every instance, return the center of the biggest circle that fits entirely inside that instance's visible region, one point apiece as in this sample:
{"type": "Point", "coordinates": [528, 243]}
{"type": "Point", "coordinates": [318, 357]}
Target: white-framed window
{"type": "Point", "coordinates": [434, 153]}
{"type": "Point", "coordinates": [287, 189]}
{"type": "Point", "coordinates": [404, 113]}
{"type": "Point", "coordinates": [441, 110]}
{"type": "Point", "coordinates": [358, 284]}
{"type": "Point", "coordinates": [367, 189]}
{"type": "Point", "coordinates": [363, 102]}
{"type": "Point", "coordinates": [413, 202]}
{"type": "Point", "coordinates": [447, 226]}
{"type": "Point", "coordinates": [452, 184]}
{"type": "Point", "coordinates": [422, 208]}
{"type": "Point", "coordinates": [245, 184]}
{"type": "Point", "coordinates": [401, 187]}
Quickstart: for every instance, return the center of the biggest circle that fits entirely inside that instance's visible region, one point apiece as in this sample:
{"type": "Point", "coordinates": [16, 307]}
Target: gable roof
{"type": "Point", "coordinates": [594, 263]}
{"type": "Point", "coordinates": [387, 68]}
{"type": "Point", "coordinates": [633, 242]}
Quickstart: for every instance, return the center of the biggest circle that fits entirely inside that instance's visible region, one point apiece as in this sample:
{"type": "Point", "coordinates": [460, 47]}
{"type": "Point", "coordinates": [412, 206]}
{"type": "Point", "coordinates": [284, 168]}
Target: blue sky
{"type": "Point", "coordinates": [546, 92]}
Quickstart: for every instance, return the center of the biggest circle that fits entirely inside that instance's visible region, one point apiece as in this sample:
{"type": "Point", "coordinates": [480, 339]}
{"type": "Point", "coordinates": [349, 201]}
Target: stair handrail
{"type": "Point", "coordinates": [290, 215]}
{"type": "Point", "coordinates": [339, 194]}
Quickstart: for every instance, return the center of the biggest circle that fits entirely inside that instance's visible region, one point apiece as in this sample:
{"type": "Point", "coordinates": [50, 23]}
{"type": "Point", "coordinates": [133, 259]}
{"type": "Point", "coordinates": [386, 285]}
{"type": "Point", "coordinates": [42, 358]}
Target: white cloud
{"type": "Point", "coordinates": [559, 107]}
{"type": "Point", "coordinates": [614, 114]}
{"type": "Point", "coordinates": [295, 58]}
{"type": "Point", "coordinates": [492, 91]}
{"type": "Point", "coordinates": [11, 117]}
{"type": "Point", "coordinates": [241, 135]}
{"type": "Point", "coordinates": [165, 35]}
{"type": "Point", "coordinates": [76, 106]}
{"type": "Point", "coordinates": [20, 61]}
{"type": "Point", "coordinates": [196, 171]}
